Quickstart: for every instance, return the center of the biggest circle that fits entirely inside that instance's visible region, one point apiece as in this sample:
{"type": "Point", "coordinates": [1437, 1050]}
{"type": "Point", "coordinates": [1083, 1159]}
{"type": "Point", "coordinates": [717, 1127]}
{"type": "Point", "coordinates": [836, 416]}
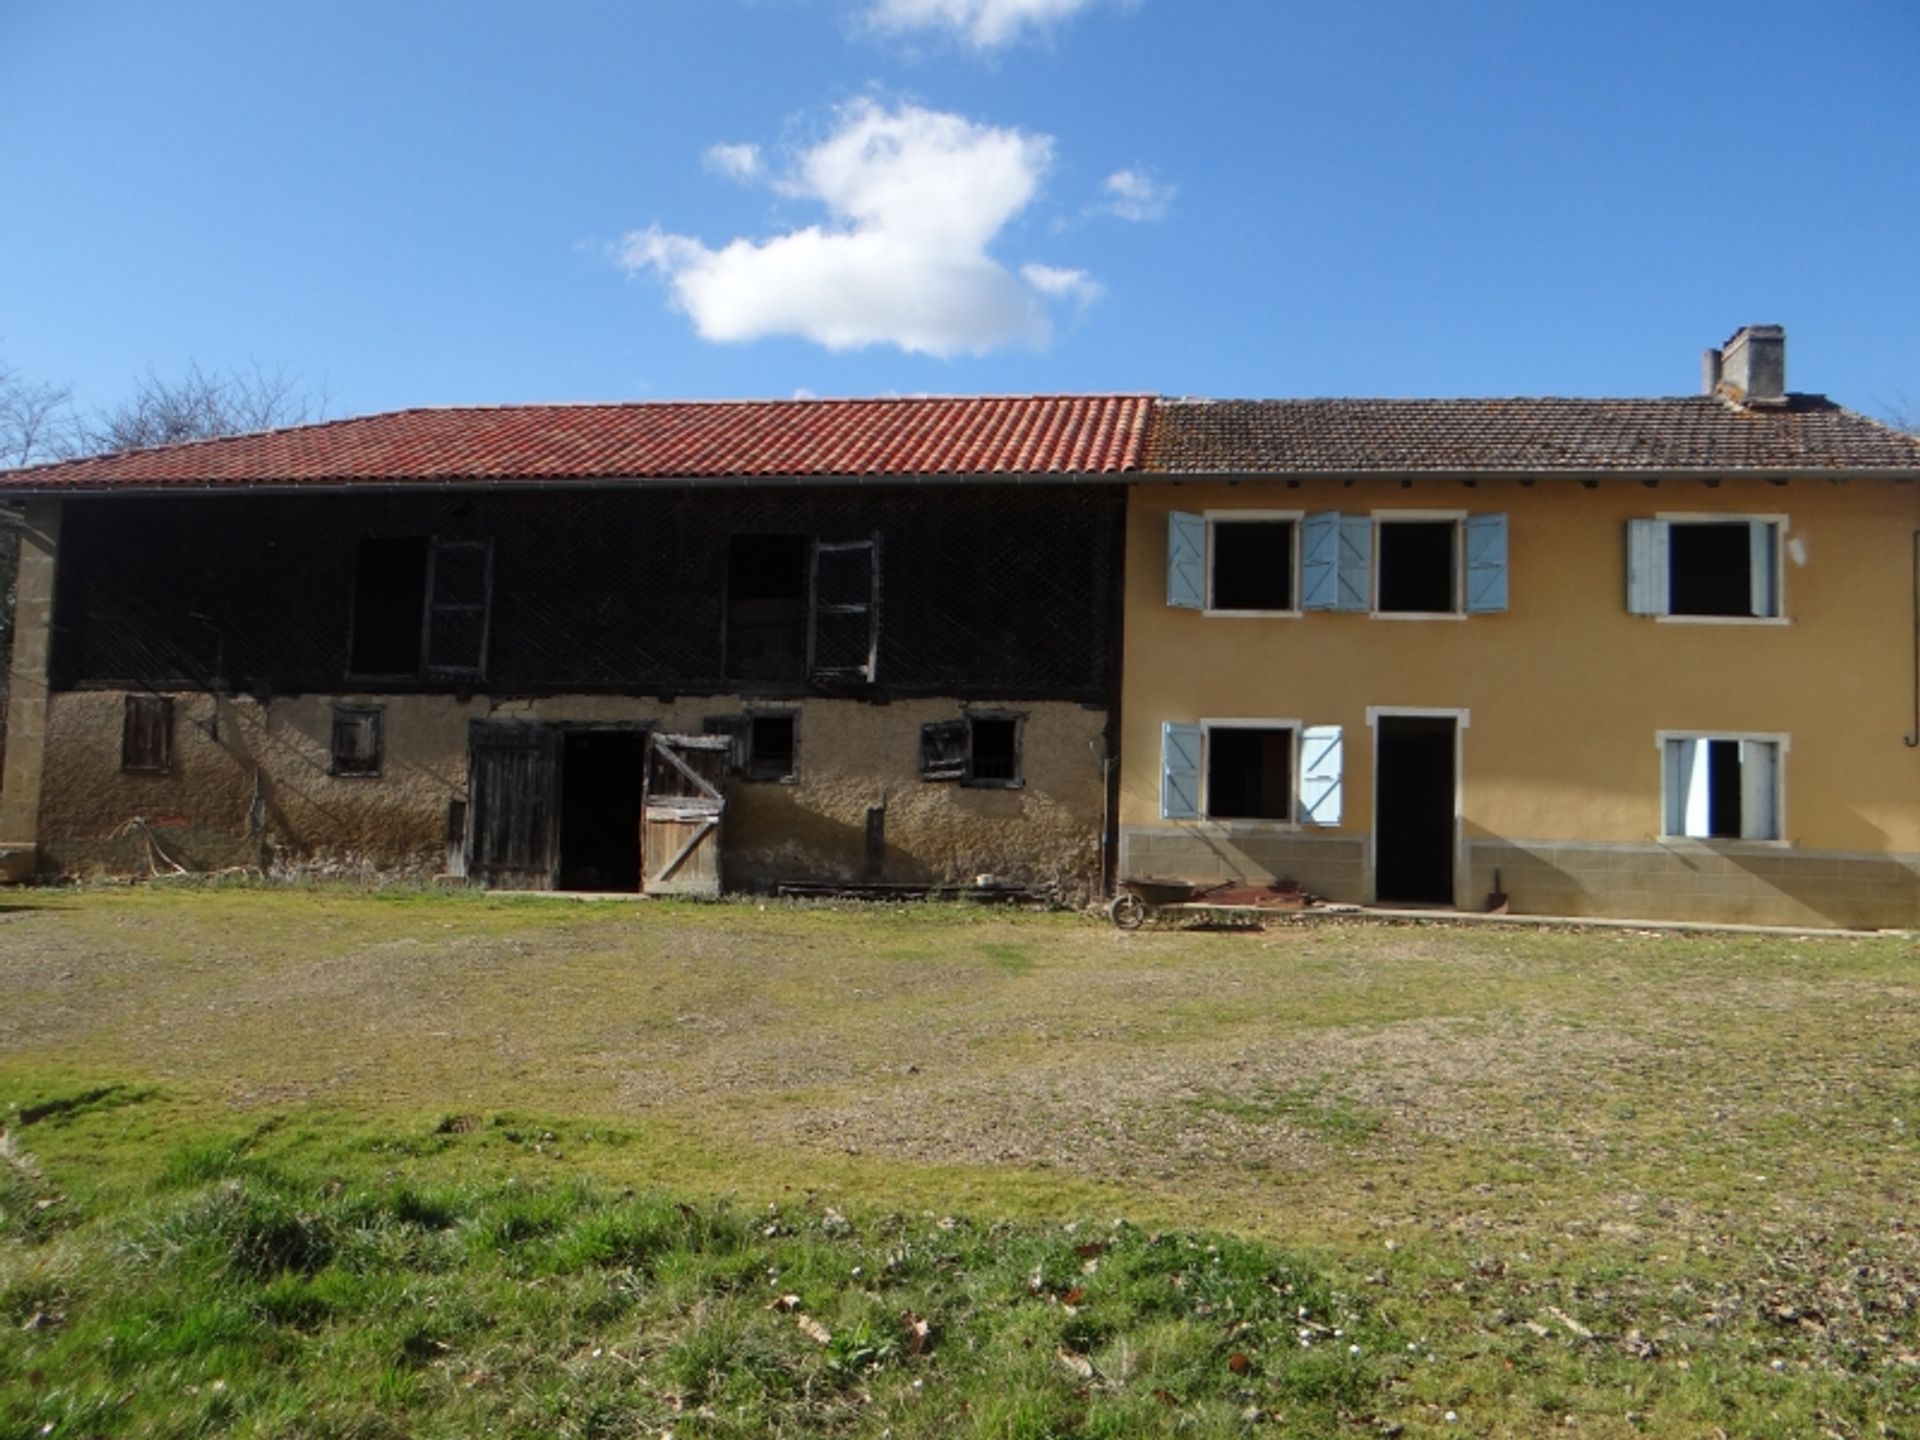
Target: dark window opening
{"type": "Point", "coordinates": [601, 772]}
{"type": "Point", "coordinates": [1723, 790]}
{"type": "Point", "coordinates": [1252, 565]}
{"type": "Point", "coordinates": [993, 750]}
{"type": "Point", "coordinates": [1710, 568]}
{"type": "Point", "coordinates": [1416, 567]}
{"type": "Point", "coordinates": [146, 735]}
{"type": "Point", "coordinates": [357, 740]}
{"type": "Point", "coordinates": [389, 595]}
{"type": "Point", "coordinates": [767, 607]}
{"type": "Point", "coordinates": [975, 750]}
{"type": "Point", "coordinates": [1249, 774]}
{"type": "Point", "coordinates": [770, 747]}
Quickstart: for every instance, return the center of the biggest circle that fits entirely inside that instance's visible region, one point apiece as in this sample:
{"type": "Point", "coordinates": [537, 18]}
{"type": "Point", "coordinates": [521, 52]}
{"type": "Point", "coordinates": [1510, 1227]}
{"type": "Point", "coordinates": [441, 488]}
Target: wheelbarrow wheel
{"type": "Point", "coordinates": [1127, 911]}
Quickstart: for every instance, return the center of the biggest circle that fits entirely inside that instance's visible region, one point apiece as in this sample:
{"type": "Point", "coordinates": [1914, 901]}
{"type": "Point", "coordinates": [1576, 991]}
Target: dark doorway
{"type": "Point", "coordinates": [1413, 806]}
{"type": "Point", "coordinates": [600, 777]}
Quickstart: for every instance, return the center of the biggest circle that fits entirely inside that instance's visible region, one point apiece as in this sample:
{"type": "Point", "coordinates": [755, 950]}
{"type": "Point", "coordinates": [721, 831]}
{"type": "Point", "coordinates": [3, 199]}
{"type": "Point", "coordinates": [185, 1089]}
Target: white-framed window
{"type": "Point", "coordinates": [1251, 562]}
{"type": "Point", "coordinates": [1273, 771]}
{"type": "Point", "coordinates": [1418, 563]}
{"type": "Point", "coordinates": [1721, 786]}
{"type": "Point", "coordinates": [1706, 567]}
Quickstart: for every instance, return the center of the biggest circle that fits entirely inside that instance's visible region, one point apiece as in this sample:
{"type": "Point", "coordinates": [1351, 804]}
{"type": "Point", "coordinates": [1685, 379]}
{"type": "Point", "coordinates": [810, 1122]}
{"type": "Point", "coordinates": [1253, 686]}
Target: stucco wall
{"type": "Point", "coordinates": [1565, 692]}
{"type": "Point", "coordinates": [853, 756]}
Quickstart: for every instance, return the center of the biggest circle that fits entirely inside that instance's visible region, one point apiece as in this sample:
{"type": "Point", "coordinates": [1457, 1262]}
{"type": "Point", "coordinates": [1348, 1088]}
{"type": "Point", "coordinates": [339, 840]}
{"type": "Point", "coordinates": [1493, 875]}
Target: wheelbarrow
{"type": "Point", "coordinates": [1143, 899]}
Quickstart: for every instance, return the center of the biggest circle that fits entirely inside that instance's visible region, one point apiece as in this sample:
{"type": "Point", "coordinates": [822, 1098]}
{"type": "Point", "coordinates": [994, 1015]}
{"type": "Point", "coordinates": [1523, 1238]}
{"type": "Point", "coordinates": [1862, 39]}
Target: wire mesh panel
{"type": "Point", "coordinates": [973, 589]}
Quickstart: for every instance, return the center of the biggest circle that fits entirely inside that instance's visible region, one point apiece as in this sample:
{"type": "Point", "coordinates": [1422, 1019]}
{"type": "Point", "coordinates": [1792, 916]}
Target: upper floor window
{"type": "Point", "coordinates": [800, 608]}
{"type": "Point", "coordinates": [421, 605]}
{"type": "Point", "coordinates": [1705, 566]}
{"type": "Point", "coordinates": [1240, 562]}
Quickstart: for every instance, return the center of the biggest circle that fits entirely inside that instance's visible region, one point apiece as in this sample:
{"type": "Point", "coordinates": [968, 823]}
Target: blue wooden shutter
{"type": "Point", "coordinates": [1486, 564]}
{"type": "Point", "coordinates": [1180, 771]}
{"type": "Point", "coordinates": [1321, 751]}
{"type": "Point", "coordinates": [1647, 588]}
{"type": "Point", "coordinates": [1763, 561]}
{"type": "Point", "coordinates": [1186, 561]}
{"type": "Point", "coordinates": [1353, 571]}
{"type": "Point", "coordinates": [1687, 797]}
{"type": "Point", "coordinates": [1319, 559]}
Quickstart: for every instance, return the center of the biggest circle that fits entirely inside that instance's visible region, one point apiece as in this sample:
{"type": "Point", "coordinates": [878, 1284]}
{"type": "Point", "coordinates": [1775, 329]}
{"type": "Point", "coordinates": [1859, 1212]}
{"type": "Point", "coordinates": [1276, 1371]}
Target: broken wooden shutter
{"type": "Point", "coordinates": [356, 740]}
{"type": "Point", "coordinates": [844, 638]}
{"type": "Point", "coordinates": [1763, 563]}
{"type": "Point", "coordinates": [1321, 761]}
{"type": "Point", "coordinates": [739, 730]}
{"type": "Point", "coordinates": [146, 734]}
{"type": "Point", "coordinates": [1486, 564]}
{"type": "Point", "coordinates": [943, 750]}
{"type": "Point", "coordinates": [1759, 790]}
{"type": "Point", "coordinates": [1319, 560]}
{"type": "Point", "coordinates": [1180, 771]}
{"type": "Point", "coordinates": [1647, 586]}
{"type": "Point", "coordinates": [1187, 561]}
{"type": "Point", "coordinates": [459, 589]}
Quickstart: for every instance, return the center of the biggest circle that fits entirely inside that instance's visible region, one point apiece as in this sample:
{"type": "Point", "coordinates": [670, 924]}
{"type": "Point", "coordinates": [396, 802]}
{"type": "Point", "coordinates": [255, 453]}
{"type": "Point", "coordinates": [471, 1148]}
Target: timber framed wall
{"type": "Point", "coordinates": [606, 607]}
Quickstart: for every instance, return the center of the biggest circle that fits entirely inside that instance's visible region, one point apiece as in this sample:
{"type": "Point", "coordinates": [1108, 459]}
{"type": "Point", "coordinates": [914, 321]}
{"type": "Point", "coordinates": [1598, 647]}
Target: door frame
{"type": "Point", "coordinates": [1461, 717]}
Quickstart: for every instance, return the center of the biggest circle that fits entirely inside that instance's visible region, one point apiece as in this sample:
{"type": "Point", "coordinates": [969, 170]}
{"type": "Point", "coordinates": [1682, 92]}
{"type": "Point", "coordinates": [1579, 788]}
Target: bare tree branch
{"type": "Point", "coordinates": [36, 421]}
{"type": "Point", "coordinates": [200, 405]}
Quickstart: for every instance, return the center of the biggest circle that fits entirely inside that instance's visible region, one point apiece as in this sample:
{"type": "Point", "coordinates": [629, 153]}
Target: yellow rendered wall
{"type": "Point", "coordinates": [1566, 690]}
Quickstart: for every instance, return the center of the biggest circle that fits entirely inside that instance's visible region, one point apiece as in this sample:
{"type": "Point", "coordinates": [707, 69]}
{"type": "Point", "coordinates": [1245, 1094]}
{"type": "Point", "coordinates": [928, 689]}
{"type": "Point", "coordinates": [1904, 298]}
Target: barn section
{"type": "Point", "coordinates": [897, 621]}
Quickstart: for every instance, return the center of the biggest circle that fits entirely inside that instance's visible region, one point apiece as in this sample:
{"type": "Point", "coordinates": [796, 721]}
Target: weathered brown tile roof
{"type": "Point", "coordinates": [785, 439]}
{"type": "Point", "coordinates": [1523, 436]}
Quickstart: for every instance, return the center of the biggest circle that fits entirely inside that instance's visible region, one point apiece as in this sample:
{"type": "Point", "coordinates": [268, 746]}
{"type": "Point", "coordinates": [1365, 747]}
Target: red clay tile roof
{"type": "Point", "coordinates": [1525, 436]}
{"type": "Point", "coordinates": [670, 440]}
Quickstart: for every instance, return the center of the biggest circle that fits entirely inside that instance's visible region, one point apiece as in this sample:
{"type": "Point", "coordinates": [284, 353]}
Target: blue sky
{"type": "Point", "coordinates": [449, 203]}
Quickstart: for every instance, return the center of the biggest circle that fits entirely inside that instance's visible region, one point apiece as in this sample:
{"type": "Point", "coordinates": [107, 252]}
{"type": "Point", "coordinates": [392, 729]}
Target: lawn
{"type": "Point", "coordinates": [325, 1161]}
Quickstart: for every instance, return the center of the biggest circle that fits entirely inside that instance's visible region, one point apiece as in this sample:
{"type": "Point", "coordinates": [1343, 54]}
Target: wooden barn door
{"type": "Point", "coordinates": [513, 810]}
{"type": "Point", "coordinates": [681, 814]}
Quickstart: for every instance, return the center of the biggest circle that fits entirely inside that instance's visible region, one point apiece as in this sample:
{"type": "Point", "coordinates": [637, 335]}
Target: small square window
{"type": "Point", "coordinates": [1251, 565]}
{"type": "Point", "coordinates": [766, 743]}
{"type": "Point", "coordinates": [357, 740]}
{"type": "Point", "coordinates": [1721, 787]}
{"type": "Point", "coordinates": [977, 749]}
{"type": "Point", "coordinates": [1249, 772]}
{"type": "Point", "coordinates": [146, 735]}
{"type": "Point", "coordinates": [1418, 567]}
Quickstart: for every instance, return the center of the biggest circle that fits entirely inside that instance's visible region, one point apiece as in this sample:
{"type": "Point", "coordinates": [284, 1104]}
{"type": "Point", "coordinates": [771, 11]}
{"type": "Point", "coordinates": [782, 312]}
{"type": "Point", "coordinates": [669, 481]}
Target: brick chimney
{"type": "Point", "coordinates": [1751, 368]}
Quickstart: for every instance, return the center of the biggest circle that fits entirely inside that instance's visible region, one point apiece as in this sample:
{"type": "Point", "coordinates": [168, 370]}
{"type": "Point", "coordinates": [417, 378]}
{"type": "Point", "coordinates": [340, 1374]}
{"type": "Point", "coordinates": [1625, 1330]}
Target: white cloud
{"type": "Point", "coordinates": [736, 162]}
{"type": "Point", "coordinates": [1076, 285]}
{"type": "Point", "coordinates": [913, 199]}
{"type": "Point", "coordinates": [983, 24]}
{"type": "Point", "coordinates": [1136, 195]}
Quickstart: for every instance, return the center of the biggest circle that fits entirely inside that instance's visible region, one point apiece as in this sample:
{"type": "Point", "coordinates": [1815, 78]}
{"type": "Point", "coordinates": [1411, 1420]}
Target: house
{"type": "Point", "coordinates": [1645, 658]}
{"type": "Point", "coordinates": [810, 640]}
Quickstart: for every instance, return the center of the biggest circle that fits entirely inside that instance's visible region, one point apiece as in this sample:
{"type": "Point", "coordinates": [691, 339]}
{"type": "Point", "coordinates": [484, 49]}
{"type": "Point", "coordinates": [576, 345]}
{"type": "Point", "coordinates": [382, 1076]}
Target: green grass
{"type": "Point", "coordinates": [316, 1161]}
{"type": "Point", "coordinates": [240, 1290]}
